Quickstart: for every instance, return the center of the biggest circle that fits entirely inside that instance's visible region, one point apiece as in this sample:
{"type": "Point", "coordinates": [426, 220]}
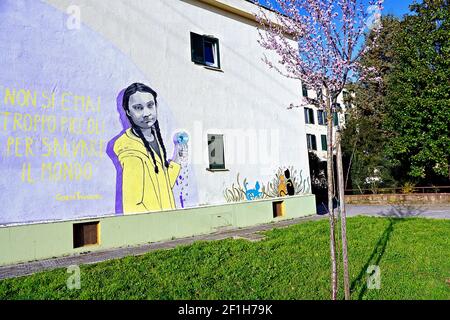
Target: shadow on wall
{"type": "Point", "coordinates": [110, 152]}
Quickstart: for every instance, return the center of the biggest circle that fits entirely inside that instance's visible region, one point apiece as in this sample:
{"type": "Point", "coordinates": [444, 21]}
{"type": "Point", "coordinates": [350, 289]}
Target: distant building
{"type": "Point", "coordinates": [316, 122]}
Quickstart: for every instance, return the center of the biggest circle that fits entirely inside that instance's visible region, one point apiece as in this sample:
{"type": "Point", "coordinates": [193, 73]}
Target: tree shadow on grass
{"type": "Point", "coordinates": [396, 215]}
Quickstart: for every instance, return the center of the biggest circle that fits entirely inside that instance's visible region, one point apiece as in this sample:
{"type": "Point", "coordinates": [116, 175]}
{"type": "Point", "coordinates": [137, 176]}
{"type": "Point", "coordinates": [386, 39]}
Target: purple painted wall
{"type": "Point", "coordinates": [62, 87]}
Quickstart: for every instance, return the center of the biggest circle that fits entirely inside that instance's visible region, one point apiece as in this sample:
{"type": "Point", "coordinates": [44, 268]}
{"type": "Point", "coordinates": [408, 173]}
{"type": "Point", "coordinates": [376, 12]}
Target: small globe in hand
{"type": "Point", "coordinates": [181, 138]}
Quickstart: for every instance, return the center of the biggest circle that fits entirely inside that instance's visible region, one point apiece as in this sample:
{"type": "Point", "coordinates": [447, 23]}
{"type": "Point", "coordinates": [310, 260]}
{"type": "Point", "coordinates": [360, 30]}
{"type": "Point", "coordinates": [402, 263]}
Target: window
{"type": "Point", "coordinates": [337, 107]}
{"type": "Point", "coordinates": [311, 142]}
{"type": "Point", "coordinates": [346, 99]}
{"type": "Point", "coordinates": [324, 142]}
{"type": "Point", "coordinates": [215, 152]}
{"type": "Point", "coordinates": [345, 95]}
{"type": "Point", "coordinates": [335, 119]}
{"type": "Point", "coordinates": [322, 117]}
{"type": "Point", "coordinates": [304, 90]}
{"type": "Point", "coordinates": [319, 95]}
{"type": "Point", "coordinates": [205, 50]}
{"type": "Point", "coordinates": [309, 115]}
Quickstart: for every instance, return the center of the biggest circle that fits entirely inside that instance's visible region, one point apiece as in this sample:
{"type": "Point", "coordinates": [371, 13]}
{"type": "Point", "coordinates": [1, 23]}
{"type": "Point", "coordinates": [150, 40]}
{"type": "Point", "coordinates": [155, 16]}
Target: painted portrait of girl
{"type": "Point", "coordinates": [147, 176]}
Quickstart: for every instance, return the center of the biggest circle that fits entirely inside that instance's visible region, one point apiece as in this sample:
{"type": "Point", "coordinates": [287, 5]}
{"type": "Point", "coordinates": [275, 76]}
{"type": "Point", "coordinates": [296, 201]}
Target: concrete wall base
{"type": "Point", "coordinates": [32, 242]}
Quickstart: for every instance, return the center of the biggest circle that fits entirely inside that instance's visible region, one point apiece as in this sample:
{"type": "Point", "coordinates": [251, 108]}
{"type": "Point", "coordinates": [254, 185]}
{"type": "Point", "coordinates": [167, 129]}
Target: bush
{"type": "Point", "coordinates": [408, 187]}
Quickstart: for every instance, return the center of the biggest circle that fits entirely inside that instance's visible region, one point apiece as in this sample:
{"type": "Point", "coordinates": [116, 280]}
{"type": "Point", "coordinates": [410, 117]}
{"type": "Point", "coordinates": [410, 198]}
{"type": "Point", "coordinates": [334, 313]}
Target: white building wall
{"type": "Point", "coordinates": [246, 97]}
{"type": "Point", "coordinates": [319, 130]}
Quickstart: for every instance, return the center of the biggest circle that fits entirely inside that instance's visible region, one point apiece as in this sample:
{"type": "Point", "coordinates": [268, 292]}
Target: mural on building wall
{"type": "Point", "coordinates": [70, 147]}
{"type": "Point", "coordinates": [59, 124]}
{"type": "Point", "coordinates": [286, 182]}
{"type": "Point", "coordinates": [148, 177]}
{"type": "Point", "coordinates": [181, 139]}
{"type": "Point", "coordinates": [252, 193]}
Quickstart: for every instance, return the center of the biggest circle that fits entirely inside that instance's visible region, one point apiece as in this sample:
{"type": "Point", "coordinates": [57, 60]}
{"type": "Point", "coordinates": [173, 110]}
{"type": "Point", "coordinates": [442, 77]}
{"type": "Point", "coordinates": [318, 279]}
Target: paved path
{"type": "Point", "coordinates": [401, 211]}
{"type": "Point", "coordinates": [398, 211]}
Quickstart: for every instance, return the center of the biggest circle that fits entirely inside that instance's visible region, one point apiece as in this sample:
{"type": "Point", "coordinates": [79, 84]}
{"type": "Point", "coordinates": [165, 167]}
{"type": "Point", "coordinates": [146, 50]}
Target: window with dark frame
{"type": "Point", "coordinates": [324, 142]}
{"type": "Point", "coordinates": [216, 152]}
{"type": "Point", "coordinates": [335, 119]}
{"type": "Point", "coordinates": [304, 90]}
{"type": "Point", "coordinates": [319, 96]}
{"type": "Point", "coordinates": [205, 50]}
{"type": "Point", "coordinates": [321, 117]}
{"type": "Point", "coordinates": [311, 142]}
{"type": "Point", "coordinates": [309, 115]}
{"type": "Point", "coordinates": [345, 96]}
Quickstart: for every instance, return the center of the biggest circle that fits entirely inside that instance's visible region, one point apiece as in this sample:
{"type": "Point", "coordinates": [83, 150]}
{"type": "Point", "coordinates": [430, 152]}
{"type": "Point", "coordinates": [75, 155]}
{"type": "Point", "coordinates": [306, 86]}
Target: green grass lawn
{"type": "Point", "coordinates": [291, 263]}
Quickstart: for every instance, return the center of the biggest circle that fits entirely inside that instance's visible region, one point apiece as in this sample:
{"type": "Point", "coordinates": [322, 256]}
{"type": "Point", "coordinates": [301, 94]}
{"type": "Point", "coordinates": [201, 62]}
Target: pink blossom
{"type": "Point", "coordinates": [326, 34]}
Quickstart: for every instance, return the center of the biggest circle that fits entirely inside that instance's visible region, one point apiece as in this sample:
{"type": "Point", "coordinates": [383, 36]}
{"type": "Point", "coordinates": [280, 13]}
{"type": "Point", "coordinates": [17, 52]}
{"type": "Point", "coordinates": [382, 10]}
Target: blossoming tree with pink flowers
{"type": "Point", "coordinates": [320, 42]}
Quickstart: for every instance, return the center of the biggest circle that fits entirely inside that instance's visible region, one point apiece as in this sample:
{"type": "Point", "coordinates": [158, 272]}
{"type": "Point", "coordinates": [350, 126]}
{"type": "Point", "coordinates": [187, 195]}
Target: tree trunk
{"type": "Point", "coordinates": [334, 280]}
{"type": "Point", "coordinates": [350, 164]}
{"type": "Point", "coordinates": [340, 177]}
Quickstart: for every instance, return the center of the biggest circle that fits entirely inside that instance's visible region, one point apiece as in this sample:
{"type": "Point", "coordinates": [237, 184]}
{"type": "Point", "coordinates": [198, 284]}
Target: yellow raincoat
{"type": "Point", "coordinates": [142, 189]}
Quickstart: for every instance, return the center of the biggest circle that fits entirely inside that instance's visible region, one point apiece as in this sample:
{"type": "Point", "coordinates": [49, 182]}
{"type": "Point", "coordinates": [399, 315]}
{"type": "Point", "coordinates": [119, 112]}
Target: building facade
{"type": "Point", "coordinates": [316, 122]}
{"type": "Point", "coordinates": [126, 122]}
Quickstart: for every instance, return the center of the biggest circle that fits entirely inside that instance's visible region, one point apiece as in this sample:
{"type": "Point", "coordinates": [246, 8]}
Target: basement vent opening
{"type": "Point", "coordinates": [85, 234]}
{"type": "Point", "coordinates": [278, 209]}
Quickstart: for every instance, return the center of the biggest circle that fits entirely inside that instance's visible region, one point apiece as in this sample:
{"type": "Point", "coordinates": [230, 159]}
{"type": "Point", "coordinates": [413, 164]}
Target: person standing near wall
{"type": "Point", "coordinates": [147, 176]}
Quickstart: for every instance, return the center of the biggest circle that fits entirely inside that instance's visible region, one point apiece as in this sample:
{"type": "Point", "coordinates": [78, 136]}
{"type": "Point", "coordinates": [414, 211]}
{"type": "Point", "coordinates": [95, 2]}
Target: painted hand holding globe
{"type": "Point", "coordinates": [180, 140]}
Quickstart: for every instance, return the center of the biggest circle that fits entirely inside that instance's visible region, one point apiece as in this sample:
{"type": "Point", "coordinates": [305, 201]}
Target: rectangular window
{"type": "Point", "coordinates": [321, 117]}
{"type": "Point", "coordinates": [304, 90]}
{"type": "Point", "coordinates": [216, 152]}
{"type": "Point", "coordinates": [324, 142]}
{"type": "Point", "coordinates": [309, 115]}
{"type": "Point", "coordinates": [205, 50]}
{"type": "Point", "coordinates": [335, 119]}
{"type": "Point", "coordinates": [345, 95]}
{"type": "Point", "coordinates": [311, 142]}
{"type": "Point", "coordinates": [319, 95]}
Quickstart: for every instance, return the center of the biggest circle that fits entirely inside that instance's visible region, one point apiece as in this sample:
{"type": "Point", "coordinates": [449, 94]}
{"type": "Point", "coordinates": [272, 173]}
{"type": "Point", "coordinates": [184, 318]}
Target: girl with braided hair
{"type": "Point", "coordinates": [147, 176]}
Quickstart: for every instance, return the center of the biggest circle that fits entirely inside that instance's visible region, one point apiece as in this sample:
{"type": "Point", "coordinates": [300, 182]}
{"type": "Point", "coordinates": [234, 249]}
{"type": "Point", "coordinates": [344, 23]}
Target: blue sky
{"type": "Point", "coordinates": [395, 7]}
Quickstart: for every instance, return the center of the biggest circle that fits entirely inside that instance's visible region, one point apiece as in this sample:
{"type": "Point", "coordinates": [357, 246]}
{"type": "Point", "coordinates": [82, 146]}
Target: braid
{"type": "Point", "coordinates": [160, 140]}
{"type": "Point", "coordinates": [147, 146]}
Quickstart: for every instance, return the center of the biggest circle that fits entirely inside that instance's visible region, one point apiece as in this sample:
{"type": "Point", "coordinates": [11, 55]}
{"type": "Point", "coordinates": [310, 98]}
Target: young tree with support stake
{"type": "Point", "coordinates": [325, 51]}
